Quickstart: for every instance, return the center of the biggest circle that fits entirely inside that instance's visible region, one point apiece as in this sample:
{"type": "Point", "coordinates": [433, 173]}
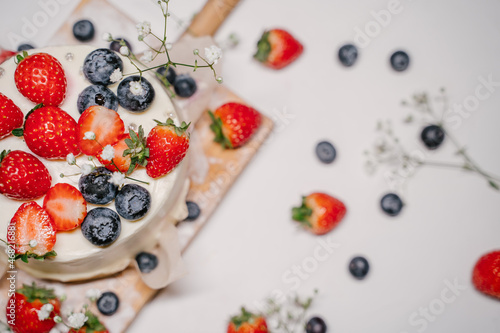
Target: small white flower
{"type": "Point", "coordinates": [107, 37]}
{"type": "Point", "coordinates": [116, 75]}
{"type": "Point", "coordinates": [45, 311]}
{"type": "Point", "coordinates": [213, 54]}
{"type": "Point", "coordinates": [70, 158]}
{"type": "Point", "coordinates": [124, 50]}
{"type": "Point", "coordinates": [136, 88]}
{"type": "Point", "coordinates": [86, 168]}
{"type": "Point", "coordinates": [168, 46]}
{"type": "Point", "coordinates": [33, 243]}
{"type": "Point", "coordinates": [89, 136]}
{"type": "Point", "coordinates": [77, 320]}
{"type": "Point", "coordinates": [57, 319]}
{"type": "Point", "coordinates": [93, 294]}
{"type": "Point", "coordinates": [143, 28]}
{"type": "Point", "coordinates": [54, 330]}
{"type": "Point", "coordinates": [117, 178]}
{"type": "Point", "coordinates": [147, 56]}
{"type": "Point", "coordinates": [108, 153]}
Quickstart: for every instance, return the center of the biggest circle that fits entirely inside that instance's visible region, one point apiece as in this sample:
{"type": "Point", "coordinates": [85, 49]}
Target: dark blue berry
{"type": "Point", "coordinates": [108, 303]}
{"type": "Point", "coordinates": [359, 267]}
{"type": "Point", "coordinates": [132, 102]}
{"type": "Point", "coordinates": [316, 325]}
{"type": "Point", "coordinates": [326, 152]}
{"type": "Point", "coordinates": [193, 211]}
{"type": "Point", "coordinates": [115, 45]}
{"type": "Point", "coordinates": [83, 30]}
{"type": "Point", "coordinates": [97, 94]}
{"type": "Point", "coordinates": [432, 136]}
{"type": "Point", "coordinates": [184, 85]}
{"type": "Point", "coordinates": [101, 226]}
{"type": "Point", "coordinates": [96, 187]}
{"type": "Point", "coordinates": [100, 64]}
{"type": "Point", "coordinates": [25, 47]}
{"type": "Point", "coordinates": [146, 261]}
{"type": "Point", "coordinates": [400, 61]}
{"type": "Point", "coordinates": [391, 204]}
{"type": "Point", "coordinates": [169, 75]}
{"type": "Point", "coordinates": [348, 54]}
{"type": "Point", "coordinates": [132, 202]}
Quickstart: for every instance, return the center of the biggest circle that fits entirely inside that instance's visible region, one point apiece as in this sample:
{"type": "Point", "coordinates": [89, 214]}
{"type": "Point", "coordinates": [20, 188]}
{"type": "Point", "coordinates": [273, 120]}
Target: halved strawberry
{"type": "Point", "coordinates": [34, 233]}
{"type": "Point", "coordinates": [11, 117]}
{"type": "Point", "coordinates": [66, 206]}
{"type": "Point", "coordinates": [107, 126]}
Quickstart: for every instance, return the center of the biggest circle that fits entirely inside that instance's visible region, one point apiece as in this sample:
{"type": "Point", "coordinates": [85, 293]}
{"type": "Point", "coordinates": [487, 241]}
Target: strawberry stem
{"type": "Point", "coordinates": [34, 292]}
{"type": "Point", "coordinates": [263, 48]}
{"type": "Point", "coordinates": [179, 130]}
{"type": "Point", "coordinates": [301, 214]}
{"type": "Point", "coordinates": [216, 127]}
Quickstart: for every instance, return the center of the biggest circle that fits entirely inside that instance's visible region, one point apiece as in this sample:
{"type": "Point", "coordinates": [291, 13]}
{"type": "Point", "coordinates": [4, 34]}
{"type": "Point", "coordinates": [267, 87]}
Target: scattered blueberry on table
{"type": "Point", "coordinates": [108, 303]}
{"type": "Point", "coordinates": [193, 211]}
{"type": "Point", "coordinates": [146, 261]}
{"type": "Point", "coordinates": [101, 226]}
{"type": "Point", "coordinates": [316, 325]}
{"type": "Point", "coordinates": [135, 93]}
{"type": "Point", "coordinates": [100, 64]}
{"type": "Point", "coordinates": [391, 204]}
{"type": "Point", "coordinates": [432, 136]}
{"type": "Point", "coordinates": [184, 85]}
{"type": "Point", "coordinates": [359, 267]}
{"type": "Point", "coordinates": [96, 187]}
{"type": "Point", "coordinates": [25, 47]}
{"type": "Point", "coordinates": [83, 30]}
{"type": "Point", "coordinates": [348, 54]}
{"type": "Point", "coordinates": [400, 61]}
{"type": "Point", "coordinates": [132, 202]}
{"type": "Point", "coordinates": [115, 45]}
{"type": "Point", "coordinates": [169, 74]}
{"type": "Point", "coordinates": [326, 152]}
{"type": "Point", "coordinates": [97, 94]}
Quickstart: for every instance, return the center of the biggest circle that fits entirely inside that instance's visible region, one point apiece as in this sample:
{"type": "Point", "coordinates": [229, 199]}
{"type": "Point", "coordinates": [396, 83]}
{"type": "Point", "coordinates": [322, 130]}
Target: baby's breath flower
{"type": "Point", "coordinates": [147, 56]}
{"type": "Point", "coordinates": [116, 75]}
{"type": "Point", "coordinates": [143, 28]}
{"type": "Point", "coordinates": [77, 320]}
{"type": "Point", "coordinates": [108, 153]}
{"type": "Point", "coordinates": [89, 136]}
{"type": "Point", "coordinates": [33, 243]}
{"type": "Point", "coordinates": [70, 158]}
{"type": "Point", "coordinates": [124, 50]}
{"type": "Point", "coordinates": [213, 54]}
{"type": "Point", "coordinates": [93, 294]}
{"type": "Point", "coordinates": [168, 46]}
{"type": "Point", "coordinates": [45, 311]}
{"type": "Point", "coordinates": [136, 88]}
{"type": "Point", "coordinates": [86, 168]}
{"type": "Point", "coordinates": [57, 319]}
{"type": "Point", "coordinates": [117, 178]}
{"type": "Point", "coordinates": [107, 37]}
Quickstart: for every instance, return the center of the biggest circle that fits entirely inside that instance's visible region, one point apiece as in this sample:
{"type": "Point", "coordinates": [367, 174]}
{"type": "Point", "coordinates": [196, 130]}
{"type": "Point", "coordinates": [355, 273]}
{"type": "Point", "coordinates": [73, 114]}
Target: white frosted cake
{"type": "Point", "coordinates": [77, 258]}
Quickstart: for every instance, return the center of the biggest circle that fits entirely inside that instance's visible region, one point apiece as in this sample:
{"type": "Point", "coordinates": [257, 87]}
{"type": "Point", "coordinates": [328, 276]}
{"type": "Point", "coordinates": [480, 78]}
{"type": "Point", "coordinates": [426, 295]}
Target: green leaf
{"type": "Point", "coordinates": [216, 127]}
{"type": "Point", "coordinates": [263, 48]}
{"type": "Point", "coordinates": [494, 185]}
{"type": "Point", "coordinates": [34, 292]}
{"type": "Point", "coordinates": [3, 154]}
{"type": "Point", "coordinates": [18, 132]}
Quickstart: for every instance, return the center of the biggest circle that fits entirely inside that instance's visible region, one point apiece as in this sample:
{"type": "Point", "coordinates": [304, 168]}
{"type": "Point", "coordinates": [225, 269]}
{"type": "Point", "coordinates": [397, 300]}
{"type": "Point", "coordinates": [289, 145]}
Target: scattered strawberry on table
{"type": "Point", "coordinates": [234, 124]}
{"type": "Point", "coordinates": [92, 325]}
{"type": "Point", "coordinates": [11, 117]}
{"type": "Point", "coordinates": [277, 48]}
{"type": "Point", "coordinates": [319, 213]}
{"type": "Point", "coordinates": [66, 206]}
{"type": "Point", "coordinates": [486, 274]}
{"type": "Point", "coordinates": [247, 322]}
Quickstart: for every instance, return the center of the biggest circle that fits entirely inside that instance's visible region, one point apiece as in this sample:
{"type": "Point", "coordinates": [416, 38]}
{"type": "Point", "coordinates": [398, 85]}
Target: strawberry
{"type": "Point", "coordinates": [234, 124]}
{"type": "Point", "coordinates": [34, 232]}
{"type": "Point", "coordinates": [168, 144]}
{"type": "Point", "coordinates": [486, 274]}
{"type": "Point", "coordinates": [40, 78]}
{"type": "Point", "coordinates": [6, 54]}
{"type": "Point", "coordinates": [11, 117]}
{"type": "Point", "coordinates": [50, 132]}
{"type": "Point", "coordinates": [66, 206]}
{"type": "Point", "coordinates": [247, 322]}
{"type": "Point", "coordinates": [107, 126]}
{"type": "Point", "coordinates": [23, 309]}
{"type": "Point", "coordinates": [23, 176]}
{"type": "Point", "coordinates": [319, 213]}
{"type": "Point", "coordinates": [92, 325]}
{"type": "Point", "coordinates": [277, 49]}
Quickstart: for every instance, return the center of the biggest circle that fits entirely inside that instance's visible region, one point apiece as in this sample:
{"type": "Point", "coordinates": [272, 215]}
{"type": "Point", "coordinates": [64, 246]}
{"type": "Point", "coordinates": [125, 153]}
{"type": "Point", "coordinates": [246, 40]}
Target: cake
{"type": "Point", "coordinates": [78, 259]}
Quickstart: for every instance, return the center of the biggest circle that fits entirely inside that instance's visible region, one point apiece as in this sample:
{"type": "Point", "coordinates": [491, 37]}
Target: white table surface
{"type": "Point", "coordinates": [250, 245]}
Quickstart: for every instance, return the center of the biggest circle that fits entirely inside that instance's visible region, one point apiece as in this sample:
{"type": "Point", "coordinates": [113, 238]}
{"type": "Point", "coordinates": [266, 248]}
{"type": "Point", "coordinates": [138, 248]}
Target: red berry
{"type": "Point", "coordinates": [486, 275]}
{"type": "Point", "coordinates": [277, 48]}
{"type": "Point", "coordinates": [247, 322]}
{"type": "Point", "coordinates": [66, 206]}
{"type": "Point", "coordinates": [6, 54]}
{"type": "Point", "coordinates": [11, 116]}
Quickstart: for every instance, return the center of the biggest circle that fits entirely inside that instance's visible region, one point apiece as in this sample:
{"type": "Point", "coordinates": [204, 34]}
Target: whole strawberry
{"type": "Point", "coordinates": [319, 213]}
{"type": "Point", "coordinates": [51, 133]}
{"type": "Point", "coordinates": [92, 325]}
{"type": "Point", "coordinates": [32, 309]}
{"type": "Point", "coordinates": [23, 176]}
{"type": "Point", "coordinates": [11, 117]}
{"type": "Point", "coordinates": [40, 78]}
{"type": "Point", "coordinates": [247, 322]}
{"type": "Point", "coordinates": [168, 145]}
{"type": "Point", "coordinates": [234, 124]}
{"type": "Point", "coordinates": [486, 275]}
{"type": "Point", "coordinates": [277, 48]}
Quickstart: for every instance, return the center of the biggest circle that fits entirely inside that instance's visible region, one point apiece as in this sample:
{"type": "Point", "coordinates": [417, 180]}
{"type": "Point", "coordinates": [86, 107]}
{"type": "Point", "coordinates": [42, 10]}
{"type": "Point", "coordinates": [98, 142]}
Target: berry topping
{"type": "Point", "coordinates": [97, 188]}
{"type": "Point", "coordinates": [11, 117]}
{"type": "Point", "coordinates": [400, 61]}
{"type": "Point", "coordinates": [184, 85]}
{"type": "Point", "coordinates": [135, 93]}
{"type": "Point", "coordinates": [108, 303]}
{"type": "Point", "coordinates": [391, 204]}
{"type": "Point", "coordinates": [25, 47]}
{"type": "Point", "coordinates": [147, 262]}
{"type": "Point", "coordinates": [168, 75]}
{"type": "Point", "coordinates": [316, 325]}
{"type": "Point", "coordinates": [101, 226]}
{"type": "Point", "coordinates": [432, 136]}
{"type": "Point", "coordinates": [96, 95]}
{"type": "Point", "coordinates": [326, 152]}
{"type": "Point", "coordinates": [348, 54]}
{"type": "Point", "coordinates": [277, 49]}
{"type": "Point", "coordinates": [247, 322]}
{"type": "Point", "coordinates": [66, 206]}
{"type": "Point", "coordinates": [83, 30]}
{"type": "Point", "coordinates": [116, 44]}
{"type": "Point", "coordinates": [359, 267]}
{"type": "Point", "coordinates": [193, 211]}
{"type": "Point", "coordinates": [91, 325]}
{"type": "Point", "coordinates": [132, 202]}
{"type": "Point", "coordinates": [100, 64]}
{"type": "Point", "coordinates": [486, 274]}
{"type": "Point", "coordinates": [23, 176]}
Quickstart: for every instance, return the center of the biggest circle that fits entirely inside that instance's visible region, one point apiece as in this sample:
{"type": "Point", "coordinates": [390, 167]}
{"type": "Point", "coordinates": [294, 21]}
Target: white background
{"type": "Point", "coordinates": [450, 219]}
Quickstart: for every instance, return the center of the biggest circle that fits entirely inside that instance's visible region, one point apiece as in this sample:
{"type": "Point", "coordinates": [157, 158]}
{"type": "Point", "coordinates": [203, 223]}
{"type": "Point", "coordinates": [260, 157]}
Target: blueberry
{"type": "Point", "coordinates": [326, 152]}
{"type": "Point", "coordinates": [146, 261]}
{"type": "Point", "coordinates": [432, 136]}
{"type": "Point", "coordinates": [169, 75]}
{"type": "Point", "coordinates": [359, 267]}
{"type": "Point", "coordinates": [115, 45]}
{"type": "Point", "coordinates": [100, 64]}
{"type": "Point", "coordinates": [316, 325]}
{"type": "Point", "coordinates": [101, 226]}
{"type": "Point", "coordinates": [96, 188]}
{"type": "Point", "coordinates": [135, 100]}
{"type": "Point", "coordinates": [184, 85]}
{"type": "Point", "coordinates": [132, 202]}
{"type": "Point", "coordinates": [348, 54]}
{"type": "Point", "coordinates": [193, 211]}
{"type": "Point", "coordinates": [391, 204]}
{"type": "Point", "coordinates": [108, 303]}
{"type": "Point", "coordinates": [97, 94]}
{"type": "Point", "coordinates": [400, 61]}
{"type": "Point", "coordinates": [25, 47]}
{"type": "Point", "coordinates": [83, 30]}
